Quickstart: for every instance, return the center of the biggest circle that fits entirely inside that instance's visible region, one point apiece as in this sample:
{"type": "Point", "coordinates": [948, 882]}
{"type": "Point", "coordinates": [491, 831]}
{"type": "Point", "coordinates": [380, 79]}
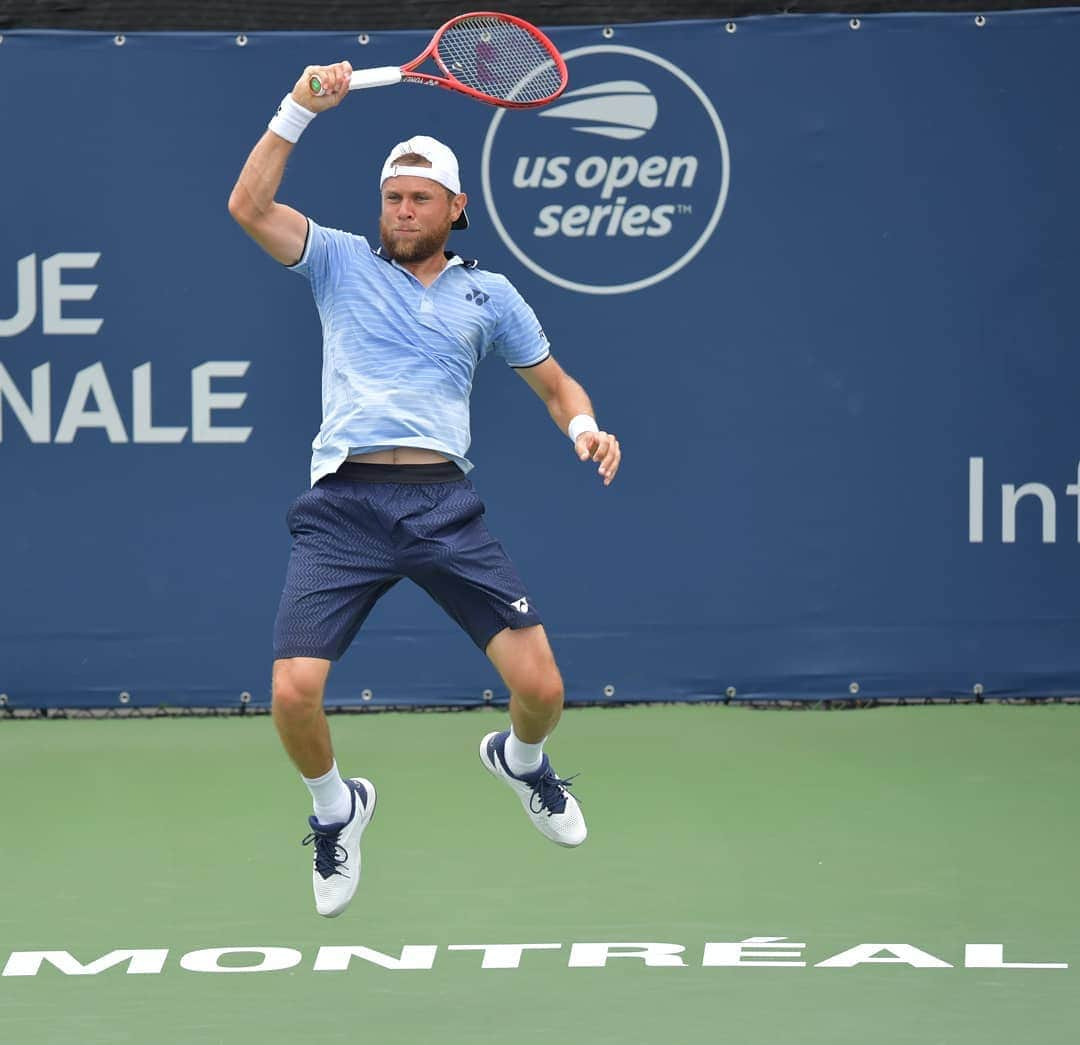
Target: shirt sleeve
{"type": "Point", "coordinates": [326, 255]}
{"type": "Point", "coordinates": [519, 338]}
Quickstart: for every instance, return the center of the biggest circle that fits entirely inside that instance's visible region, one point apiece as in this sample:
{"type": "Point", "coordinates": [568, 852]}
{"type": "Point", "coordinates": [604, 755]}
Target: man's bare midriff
{"type": "Point", "coordinates": [400, 455]}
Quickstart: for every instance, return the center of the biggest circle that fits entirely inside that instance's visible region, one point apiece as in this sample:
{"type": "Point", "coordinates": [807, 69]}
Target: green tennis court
{"type": "Point", "coordinates": [885, 841]}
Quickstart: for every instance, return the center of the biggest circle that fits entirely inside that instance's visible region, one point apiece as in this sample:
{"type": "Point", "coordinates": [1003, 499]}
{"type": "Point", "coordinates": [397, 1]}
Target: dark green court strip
{"type": "Point", "coordinates": [943, 835]}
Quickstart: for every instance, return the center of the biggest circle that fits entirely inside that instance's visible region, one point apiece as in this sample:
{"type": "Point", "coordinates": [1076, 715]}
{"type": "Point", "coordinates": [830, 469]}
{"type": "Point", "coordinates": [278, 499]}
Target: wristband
{"type": "Point", "coordinates": [290, 119]}
{"type": "Point", "coordinates": [579, 424]}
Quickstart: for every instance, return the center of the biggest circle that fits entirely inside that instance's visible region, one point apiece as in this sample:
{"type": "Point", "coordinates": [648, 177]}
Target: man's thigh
{"type": "Point", "coordinates": [339, 566]}
{"type": "Point", "coordinates": [450, 553]}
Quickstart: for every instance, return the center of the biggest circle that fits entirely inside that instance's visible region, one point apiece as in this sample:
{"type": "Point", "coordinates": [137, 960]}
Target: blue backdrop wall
{"type": "Point", "coordinates": [819, 279]}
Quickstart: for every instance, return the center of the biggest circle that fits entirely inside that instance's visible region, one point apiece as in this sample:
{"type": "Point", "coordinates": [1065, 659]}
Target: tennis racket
{"type": "Point", "coordinates": [494, 58]}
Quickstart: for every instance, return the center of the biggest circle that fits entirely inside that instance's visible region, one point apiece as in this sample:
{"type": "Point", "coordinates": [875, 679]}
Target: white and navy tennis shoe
{"type": "Point", "coordinates": [336, 871]}
{"type": "Point", "coordinates": [547, 799]}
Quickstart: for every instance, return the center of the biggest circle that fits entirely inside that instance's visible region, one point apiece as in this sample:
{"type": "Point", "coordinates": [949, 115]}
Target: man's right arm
{"type": "Point", "coordinates": [280, 230]}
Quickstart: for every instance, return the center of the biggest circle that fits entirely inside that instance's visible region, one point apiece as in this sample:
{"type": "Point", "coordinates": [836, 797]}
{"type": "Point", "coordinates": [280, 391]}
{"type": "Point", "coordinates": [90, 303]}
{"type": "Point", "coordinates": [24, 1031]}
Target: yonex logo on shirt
{"type": "Point", "coordinates": [477, 297]}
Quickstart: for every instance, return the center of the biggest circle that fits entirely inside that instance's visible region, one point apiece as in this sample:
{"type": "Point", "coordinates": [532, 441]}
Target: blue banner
{"type": "Point", "coordinates": [817, 275]}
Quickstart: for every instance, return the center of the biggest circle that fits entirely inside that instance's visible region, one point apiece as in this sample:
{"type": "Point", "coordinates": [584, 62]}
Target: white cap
{"type": "Point", "coordinates": [443, 169]}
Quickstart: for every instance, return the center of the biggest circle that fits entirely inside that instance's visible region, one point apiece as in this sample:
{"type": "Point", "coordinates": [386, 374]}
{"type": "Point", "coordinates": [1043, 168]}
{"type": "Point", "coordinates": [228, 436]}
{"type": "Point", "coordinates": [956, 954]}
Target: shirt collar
{"type": "Point", "coordinates": [452, 259]}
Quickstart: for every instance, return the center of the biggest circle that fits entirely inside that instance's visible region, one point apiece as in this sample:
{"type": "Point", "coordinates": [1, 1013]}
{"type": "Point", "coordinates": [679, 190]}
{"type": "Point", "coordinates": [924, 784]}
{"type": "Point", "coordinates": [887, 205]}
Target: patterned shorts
{"type": "Point", "coordinates": [358, 532]}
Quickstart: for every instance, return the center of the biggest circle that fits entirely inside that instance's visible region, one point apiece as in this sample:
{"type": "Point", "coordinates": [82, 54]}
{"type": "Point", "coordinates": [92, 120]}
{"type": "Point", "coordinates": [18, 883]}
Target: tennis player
{"type": "Point", "coordinates": [404, 325]}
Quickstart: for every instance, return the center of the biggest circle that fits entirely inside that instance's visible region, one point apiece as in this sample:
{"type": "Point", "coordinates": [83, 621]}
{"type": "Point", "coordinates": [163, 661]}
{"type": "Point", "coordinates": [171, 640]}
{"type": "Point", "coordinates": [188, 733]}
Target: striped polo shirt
{"type": "Point", "coordinates": [399, 357]}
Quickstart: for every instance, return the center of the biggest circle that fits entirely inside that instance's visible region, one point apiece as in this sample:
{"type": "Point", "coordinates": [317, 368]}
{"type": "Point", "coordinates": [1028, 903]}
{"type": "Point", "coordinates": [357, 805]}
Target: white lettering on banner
{"type": "Point", "coordinates": [754, 952]}
{"type": "Point", "coordinates": [1011, 497]}
{"type": "Point", "coordinates": [54, 292]}
{"type": "Point", "coordinates": [25, 298]}
{"type": "Point", "coordinates": [28, 963]}
{"type": "Point", "coordinates": [766, 950]}
{"type": "Point", "coordinates": [91, 381]}
{"type": "Point", "coordinates": [975, 500]}
{"type": "Point", "coordinates": [580, 220]}
{"type": "Point", "coordinates": [867, 954]}
{"type": "Point", "coordinates": [615, 173]}
{"type": "Point", "coordinates": [273, 959]}
{"type": "Point", "coordinates": [336, 959]}
{"type": "Point", "coordinates": [609, 175]}
{"type": "Point", "coordinates": [142, 411]}
{"type": "Point", "coordinates": [33, 416]}
{"type": "Point", "coordinates": [203, 401]}
{"type": "Point", "coordinates": [91, 404]}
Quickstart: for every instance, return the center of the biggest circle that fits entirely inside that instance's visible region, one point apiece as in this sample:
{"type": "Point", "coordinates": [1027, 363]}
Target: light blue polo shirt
{"type": "Point", "coordinates": [399, 357]}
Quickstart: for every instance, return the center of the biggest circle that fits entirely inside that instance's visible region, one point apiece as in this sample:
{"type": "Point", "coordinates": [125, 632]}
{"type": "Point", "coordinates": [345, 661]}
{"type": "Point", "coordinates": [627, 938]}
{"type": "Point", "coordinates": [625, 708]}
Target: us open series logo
{"type": "Point", "coordinates": [616, 186]}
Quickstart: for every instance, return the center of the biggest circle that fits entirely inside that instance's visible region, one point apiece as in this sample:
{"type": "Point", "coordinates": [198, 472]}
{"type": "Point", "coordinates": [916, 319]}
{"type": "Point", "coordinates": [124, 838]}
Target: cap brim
{"type": "Point", "coordinates": [462, 222]}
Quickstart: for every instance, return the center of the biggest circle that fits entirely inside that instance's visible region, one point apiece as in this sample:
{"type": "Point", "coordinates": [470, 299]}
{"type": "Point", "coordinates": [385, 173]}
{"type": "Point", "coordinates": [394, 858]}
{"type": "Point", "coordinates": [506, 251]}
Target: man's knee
{"type": "Point", "coordinates": [298, 686]}
{"type": "Point", "coordinates": [527, 665]}
{"type": "Point", "coordinates": [544, 690]}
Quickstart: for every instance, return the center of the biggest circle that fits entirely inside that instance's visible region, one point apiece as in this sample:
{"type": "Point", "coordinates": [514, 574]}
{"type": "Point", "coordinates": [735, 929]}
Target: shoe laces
{"type": "Point", "coordinates": [329, 856]}
{"type": "Point", "coordinates": [549, 793]}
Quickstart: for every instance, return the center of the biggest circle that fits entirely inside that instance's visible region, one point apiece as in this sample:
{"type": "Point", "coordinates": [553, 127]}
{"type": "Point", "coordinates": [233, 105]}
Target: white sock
{"type": "Point", "coordinates": [522, 758]}
{"type": "Point", "coordinates": [333, 800]}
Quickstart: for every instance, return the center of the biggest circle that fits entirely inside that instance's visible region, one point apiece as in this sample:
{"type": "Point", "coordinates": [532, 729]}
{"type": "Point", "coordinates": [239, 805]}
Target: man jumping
{"type": "Point", "coordinates": [404, 326]}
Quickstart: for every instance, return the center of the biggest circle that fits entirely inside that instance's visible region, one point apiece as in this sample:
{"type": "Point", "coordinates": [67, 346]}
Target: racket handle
{"type": "Point", "coordinates": [383, 76]}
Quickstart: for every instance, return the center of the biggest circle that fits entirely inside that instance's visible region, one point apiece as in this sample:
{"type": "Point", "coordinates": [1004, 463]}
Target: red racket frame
{"type": "Point", "coordinates": [450, 83]}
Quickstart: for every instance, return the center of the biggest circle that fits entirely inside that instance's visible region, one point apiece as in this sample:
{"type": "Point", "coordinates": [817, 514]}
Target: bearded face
{"type": "Point", "coordinates": [411, 242]}
{"type": "Point", "coordinates": [416, 218]}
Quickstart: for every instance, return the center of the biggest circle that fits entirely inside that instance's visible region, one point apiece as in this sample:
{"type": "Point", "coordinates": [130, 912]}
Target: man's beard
{"type": "Point", "coordinates": [413, 248]}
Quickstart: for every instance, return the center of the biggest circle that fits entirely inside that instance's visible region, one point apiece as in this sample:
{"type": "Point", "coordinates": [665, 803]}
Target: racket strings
{"type": "Point", "coordinates": [499, 59]}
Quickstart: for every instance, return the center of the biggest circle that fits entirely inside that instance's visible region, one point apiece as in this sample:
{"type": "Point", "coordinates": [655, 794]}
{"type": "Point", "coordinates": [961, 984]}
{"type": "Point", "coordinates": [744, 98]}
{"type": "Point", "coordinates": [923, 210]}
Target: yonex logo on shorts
{"type": "Point", "coordinates": [522, 605]}
{"type": "Point", "coordinates": [618, 185]}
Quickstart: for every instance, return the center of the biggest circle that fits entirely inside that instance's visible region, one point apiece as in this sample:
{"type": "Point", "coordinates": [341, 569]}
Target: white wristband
{"type": "Point", "coordinates": [579, 424]}
{"type": "Point", "coordinates": [290, 119]}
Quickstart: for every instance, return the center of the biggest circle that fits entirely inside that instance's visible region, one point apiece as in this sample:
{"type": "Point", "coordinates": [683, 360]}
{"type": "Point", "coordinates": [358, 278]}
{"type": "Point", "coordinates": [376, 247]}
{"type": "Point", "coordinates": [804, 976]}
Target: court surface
{"type": "Point", "coordinates": [932, 828]}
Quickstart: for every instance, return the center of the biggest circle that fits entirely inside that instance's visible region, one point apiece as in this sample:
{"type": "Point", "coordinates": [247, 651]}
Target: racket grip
{"type": "Point", "coordinates": [383, 76]}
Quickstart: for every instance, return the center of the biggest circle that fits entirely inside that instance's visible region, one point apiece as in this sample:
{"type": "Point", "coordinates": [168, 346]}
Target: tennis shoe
{"type": "Point", "coordinates": [336, 867]}
{"type": "Point", "coordinates": [553, 811]}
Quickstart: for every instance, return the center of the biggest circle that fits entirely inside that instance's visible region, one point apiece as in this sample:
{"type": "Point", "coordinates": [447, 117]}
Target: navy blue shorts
{"type": "Point", "coordinates": [358, 532]}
